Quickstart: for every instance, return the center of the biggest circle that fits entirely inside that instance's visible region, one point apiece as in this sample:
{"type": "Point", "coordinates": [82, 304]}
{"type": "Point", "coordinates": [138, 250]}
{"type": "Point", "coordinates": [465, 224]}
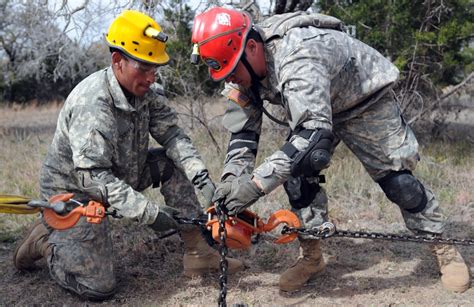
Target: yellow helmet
{"type": "Point", "coordinates": [138, 36]}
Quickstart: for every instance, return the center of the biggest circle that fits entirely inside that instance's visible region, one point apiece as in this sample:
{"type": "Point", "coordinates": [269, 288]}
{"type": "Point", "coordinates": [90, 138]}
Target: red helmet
{"type": "Point", "coordinates": [220, 35]}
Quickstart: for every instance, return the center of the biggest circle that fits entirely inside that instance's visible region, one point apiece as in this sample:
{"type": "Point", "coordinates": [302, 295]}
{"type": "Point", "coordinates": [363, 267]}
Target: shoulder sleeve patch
{"type": "Point", "coordinates": [238, 97]}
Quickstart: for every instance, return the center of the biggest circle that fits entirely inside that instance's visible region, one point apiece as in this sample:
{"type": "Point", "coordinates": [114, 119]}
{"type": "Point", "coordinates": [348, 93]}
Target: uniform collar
{"type": "Point", "coordinates": [118, 96]}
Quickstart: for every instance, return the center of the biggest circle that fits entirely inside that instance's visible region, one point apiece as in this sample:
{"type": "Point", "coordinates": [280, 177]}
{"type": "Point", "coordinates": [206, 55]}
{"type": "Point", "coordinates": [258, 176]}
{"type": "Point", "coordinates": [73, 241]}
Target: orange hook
{"type": "Point", "coordinates": [94, 212]}
{"type": "Point", "coordinates": [243, 226]}
{"type": "Point", "coordinates": [283, 216]}
{"type": "Point", "coordinates": [239, 228]}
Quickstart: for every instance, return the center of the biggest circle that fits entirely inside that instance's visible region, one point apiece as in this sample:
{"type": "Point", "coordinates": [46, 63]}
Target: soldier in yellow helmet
{"type": "Point", "coordinates": [100, 151]}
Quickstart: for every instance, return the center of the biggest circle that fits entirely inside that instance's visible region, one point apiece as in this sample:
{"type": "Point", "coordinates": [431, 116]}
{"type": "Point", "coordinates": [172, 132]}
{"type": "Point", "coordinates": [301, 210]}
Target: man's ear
{"type": "Point", "coordinates": [251, 45]}
{"type": "Point", "coordinates": [117, 60]}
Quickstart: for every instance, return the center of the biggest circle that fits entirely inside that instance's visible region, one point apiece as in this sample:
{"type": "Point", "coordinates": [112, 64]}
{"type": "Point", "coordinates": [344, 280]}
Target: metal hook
{"type": "Point", "coordinates": [283, 216]}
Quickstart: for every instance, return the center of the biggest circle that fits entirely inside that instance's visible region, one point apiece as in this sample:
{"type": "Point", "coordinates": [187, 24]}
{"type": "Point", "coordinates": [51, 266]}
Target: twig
{"type": "Point", "coordinates": [211, 135]}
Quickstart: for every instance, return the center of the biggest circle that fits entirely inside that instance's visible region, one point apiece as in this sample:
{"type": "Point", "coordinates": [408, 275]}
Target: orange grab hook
{"type": "Point", "coordinates": [283, 216]}
{"type": "Point", "coordinates": [241, 227]}
{"type": "Point", "coordinates": [94, 212]}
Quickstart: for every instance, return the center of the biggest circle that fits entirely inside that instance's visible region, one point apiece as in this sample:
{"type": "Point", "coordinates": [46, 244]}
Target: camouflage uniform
{"type": "Point", "coordinates": [325, 78]}
{"type": "Point", "coordinates": [100, 151]}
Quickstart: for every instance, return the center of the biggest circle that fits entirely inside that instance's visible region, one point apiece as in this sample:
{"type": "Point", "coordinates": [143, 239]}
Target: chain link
{"type": "Point", "coordinates": [192, 221]}
{"type": "Point", "coordinates": [327, 230]}
{"type": "Point", "coordinates": [223, 252]}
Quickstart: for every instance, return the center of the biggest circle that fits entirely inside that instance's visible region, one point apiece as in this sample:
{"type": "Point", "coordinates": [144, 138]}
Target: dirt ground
{"type": "Point", "coordinates": [358, 272]}
{"type": "Point", "coordinates": [149, 272]}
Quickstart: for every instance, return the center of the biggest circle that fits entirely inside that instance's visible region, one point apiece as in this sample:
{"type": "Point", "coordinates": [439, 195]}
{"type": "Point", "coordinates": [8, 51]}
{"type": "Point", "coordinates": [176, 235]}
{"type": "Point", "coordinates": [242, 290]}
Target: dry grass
{"type": "Point", "coordinates": [355, 203]}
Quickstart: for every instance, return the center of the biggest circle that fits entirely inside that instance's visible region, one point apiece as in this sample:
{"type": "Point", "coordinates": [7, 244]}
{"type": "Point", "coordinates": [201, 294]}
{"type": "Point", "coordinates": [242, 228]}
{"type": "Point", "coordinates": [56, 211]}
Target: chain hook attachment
{"type": "Point", "coordinates": [283, 217]}
{"type": "Point", "coordinates": [241, 227]}
{"type": "Point", "coordinates": [55, 208]}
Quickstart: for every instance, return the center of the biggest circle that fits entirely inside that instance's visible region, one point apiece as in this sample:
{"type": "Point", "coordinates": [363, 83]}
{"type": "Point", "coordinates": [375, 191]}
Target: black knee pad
{"type": "Point", "coordinates": [300, 191]}
{"type": "Point", "coordinates": [405, 190]}
{"type": "Point", "coordinates": [159, 175]}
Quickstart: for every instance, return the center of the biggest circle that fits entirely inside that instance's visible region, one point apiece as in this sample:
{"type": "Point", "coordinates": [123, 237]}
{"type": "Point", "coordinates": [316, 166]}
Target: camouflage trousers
{"type": "Point", "coordinates": [82, 256]}
{"type": "Point", "coordinates": [383, 142]}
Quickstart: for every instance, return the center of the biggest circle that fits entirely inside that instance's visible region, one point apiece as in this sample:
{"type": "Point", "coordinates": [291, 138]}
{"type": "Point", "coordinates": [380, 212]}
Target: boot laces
{"type": "Point", "coordinates": [447, 254]}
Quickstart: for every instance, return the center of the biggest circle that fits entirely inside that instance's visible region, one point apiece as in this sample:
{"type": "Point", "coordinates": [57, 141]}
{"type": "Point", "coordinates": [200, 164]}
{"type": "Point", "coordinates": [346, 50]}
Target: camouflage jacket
{"type": "Point", "coordinates": [319, 74]}
{"type": "Point", "coordinates": [99, 129]}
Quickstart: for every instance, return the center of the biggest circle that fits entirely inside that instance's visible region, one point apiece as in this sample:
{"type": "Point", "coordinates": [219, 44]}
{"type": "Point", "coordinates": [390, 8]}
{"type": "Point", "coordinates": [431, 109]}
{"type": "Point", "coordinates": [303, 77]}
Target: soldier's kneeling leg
{"type": "Point", "coordinates": [405, 190]}
{"type": "Point", "coordinates": [82, 260]}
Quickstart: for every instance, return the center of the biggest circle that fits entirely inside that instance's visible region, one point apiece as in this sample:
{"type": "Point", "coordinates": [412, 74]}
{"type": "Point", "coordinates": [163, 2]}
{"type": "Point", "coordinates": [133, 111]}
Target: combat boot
{"type": "Point", "coordinates": [454, 271]}
{"type": "Point", "coordinates": [33, 247]}
{"type": "Point", "coordinates": [310, 262]}
{"type": "Point", "coordinates": [199, 258]}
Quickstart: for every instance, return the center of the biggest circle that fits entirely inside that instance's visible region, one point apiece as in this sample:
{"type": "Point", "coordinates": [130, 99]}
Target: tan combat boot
{"type": "Point", "coordinates": [199, 258]}
{"type": "Point", "coordinates": [454, 271]}
{"type": "Point", "coordinates": [33, 247]}
{"type": "Point", "coordinates": [309, 264]}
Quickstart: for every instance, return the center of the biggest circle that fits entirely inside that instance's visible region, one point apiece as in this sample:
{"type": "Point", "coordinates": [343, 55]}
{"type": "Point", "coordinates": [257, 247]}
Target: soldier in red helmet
{"type": "Point", "coordinates": [333, 88]}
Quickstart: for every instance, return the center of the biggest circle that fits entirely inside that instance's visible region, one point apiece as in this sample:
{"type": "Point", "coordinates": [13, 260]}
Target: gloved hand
{"type": "Point", "coordinates": [238, 194]}
{"type": "Point", "coordinates": [165, 219]}
{"type": "Point", "coordinates": [205, 186]}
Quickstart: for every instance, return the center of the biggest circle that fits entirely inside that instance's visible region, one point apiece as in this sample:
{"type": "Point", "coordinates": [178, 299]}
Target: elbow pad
{"type": "Point", "coordinates": [315, 157]}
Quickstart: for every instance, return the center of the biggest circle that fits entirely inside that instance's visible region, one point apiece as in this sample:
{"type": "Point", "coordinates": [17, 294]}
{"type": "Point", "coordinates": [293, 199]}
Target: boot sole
{"type": "Point", "coordinates": [457, 289]}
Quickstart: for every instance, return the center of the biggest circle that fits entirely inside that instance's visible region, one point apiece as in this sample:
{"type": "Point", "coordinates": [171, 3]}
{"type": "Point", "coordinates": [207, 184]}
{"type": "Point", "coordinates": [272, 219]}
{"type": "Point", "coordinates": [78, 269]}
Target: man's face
{"type": "Point", "coordinates": [136, 77]}
{"type": "Point", "coordinates": [240, 76]}
{"type": "Point", "coordinates": [255, 55]}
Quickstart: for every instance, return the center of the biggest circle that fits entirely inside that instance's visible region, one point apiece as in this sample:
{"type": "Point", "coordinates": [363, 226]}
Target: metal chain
{"type": "Point", "coordinates": [327, 230]}
{"type": "Point", "coordinates": [223, 252]}
{"type": "Point", "coordinates": [192, 221]}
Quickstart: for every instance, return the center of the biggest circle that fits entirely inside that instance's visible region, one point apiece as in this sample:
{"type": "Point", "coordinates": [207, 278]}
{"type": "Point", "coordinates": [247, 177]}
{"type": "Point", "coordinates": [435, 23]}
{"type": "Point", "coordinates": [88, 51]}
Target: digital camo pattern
{"type": "Point", "coordinates": [81, 259]}
{"type": "Point", "coordinates": [325, 78]}
{"type": "Point", "coordinates": [102, 140]}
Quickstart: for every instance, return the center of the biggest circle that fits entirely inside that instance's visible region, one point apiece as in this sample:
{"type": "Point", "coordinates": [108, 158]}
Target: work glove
{"type": "Point", "coordinates": [237, 194]}
{"type": "Point", "coordinates": [166, 219]}
{"type": "Point", "coordinates": [205, 185]}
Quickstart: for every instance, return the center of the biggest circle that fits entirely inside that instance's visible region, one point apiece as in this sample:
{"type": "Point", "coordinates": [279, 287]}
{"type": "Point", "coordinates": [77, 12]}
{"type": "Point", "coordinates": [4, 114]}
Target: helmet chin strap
{"type": "Point", "coordinates": [255, 80]}
{"type": "Point", "coordinates": [253, 76]}
{"type": "Point", "coordinates": [255, 85]}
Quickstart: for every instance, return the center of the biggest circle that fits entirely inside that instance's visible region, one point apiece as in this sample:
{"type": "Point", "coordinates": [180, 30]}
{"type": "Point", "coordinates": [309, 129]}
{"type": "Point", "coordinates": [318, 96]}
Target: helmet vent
{"type": "Point", "coordinates": [150, 53]}
{"type": "Point", "coordinates": [136, 43]}
{"type": "Point", "coordinates": [122, 43]}
{"type": "Point", "coordinates": [229, 42]}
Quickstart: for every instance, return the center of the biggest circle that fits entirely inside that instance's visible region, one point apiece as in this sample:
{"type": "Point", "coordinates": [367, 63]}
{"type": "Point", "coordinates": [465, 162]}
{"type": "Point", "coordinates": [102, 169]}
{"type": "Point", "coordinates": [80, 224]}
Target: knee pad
{"type": "Point", "coordinates": [405, 190]}
{"type": "Point", "coordinates": [159, 174]}
{"type": "Point", "coordinates": [300, 191]}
